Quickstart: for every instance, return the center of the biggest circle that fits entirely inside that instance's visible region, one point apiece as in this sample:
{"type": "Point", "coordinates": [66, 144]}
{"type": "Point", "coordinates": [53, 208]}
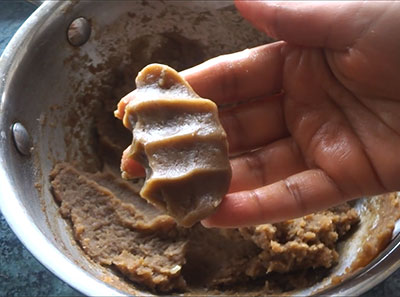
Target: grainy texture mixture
{"type": "Point", "coordinates": [116, 227]}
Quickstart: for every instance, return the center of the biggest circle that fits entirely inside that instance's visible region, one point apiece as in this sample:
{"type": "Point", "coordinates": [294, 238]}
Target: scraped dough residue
{"type": "Point", "coordinates": [116, 227]}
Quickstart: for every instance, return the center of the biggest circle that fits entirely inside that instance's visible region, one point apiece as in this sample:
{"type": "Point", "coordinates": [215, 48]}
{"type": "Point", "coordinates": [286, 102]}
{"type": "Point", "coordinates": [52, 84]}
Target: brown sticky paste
{"type": "Point", "coordinates": [178, 139]}
{"type": "Point", "coordinates": [117, 228]}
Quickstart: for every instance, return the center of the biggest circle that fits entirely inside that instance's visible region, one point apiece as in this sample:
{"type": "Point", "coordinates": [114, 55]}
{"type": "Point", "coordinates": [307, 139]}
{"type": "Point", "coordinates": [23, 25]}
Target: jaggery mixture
{"type": "Point", "coordinates": [116, 227]}
{"type": "Point", "coordinates": [119, 230]}
{"type": "Point", "coordinates": [179, 140]}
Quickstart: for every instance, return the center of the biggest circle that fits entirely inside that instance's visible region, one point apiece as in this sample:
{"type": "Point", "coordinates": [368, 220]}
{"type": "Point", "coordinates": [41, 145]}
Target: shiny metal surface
{"type": "Point", "coordinates": [36, 2]}
{"type": "Point", "coordinates": [21, 138]}
{"type": "Point", "coordinates": [78, 31]}
{"type": "Point", "coordinates": [36, 82]}
{"type": "Point", "coordinates": [31, 78]}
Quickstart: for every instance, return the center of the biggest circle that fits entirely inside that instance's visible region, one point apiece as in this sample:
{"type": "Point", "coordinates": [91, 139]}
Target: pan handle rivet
{"type": "Point", "coordinates": [22, 140]}
{"type": "Point", "coordinates": [78, 32]}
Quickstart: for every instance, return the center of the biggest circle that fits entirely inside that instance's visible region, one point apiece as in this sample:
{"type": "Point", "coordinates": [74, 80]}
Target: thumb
{"type": "Point", "coordinates": [330, 24]}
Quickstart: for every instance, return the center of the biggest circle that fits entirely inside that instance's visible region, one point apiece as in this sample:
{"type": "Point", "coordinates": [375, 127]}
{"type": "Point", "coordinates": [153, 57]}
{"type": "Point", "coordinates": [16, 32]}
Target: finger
{"type": "Point", "coordinates": [298, 195]}
{"type": "Point", "coordinates": [240, 76]}
{"type": "Point", "coordinates": [266, 166]}
{"type": "Point", "coordinates": [120, 112]}
{"type": "Point", "coordinates": [248, 126]}
{"type": "Point", "coordinates": [232, 78]}
{"type": "Point", "coordinates": [331, 24]}
{"type": "Point", "coordinates": [254, 124]}
{"type": "Point", "coordinates": [129, 167]}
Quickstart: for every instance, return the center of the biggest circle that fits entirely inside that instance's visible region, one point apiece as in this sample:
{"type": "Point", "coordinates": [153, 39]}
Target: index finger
{"type": "Point", "coordinates": [232, 78]}
{"type": "Point", "coordinates": [298, 195]}
{"type": "Point", "coordinates": [239, 76]}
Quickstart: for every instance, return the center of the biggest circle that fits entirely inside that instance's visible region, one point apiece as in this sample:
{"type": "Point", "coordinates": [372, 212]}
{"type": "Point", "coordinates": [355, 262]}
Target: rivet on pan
{"type": "Point", "coordinates": [78, 31]}
{"type": "Point", "coordinates": [22, 140]}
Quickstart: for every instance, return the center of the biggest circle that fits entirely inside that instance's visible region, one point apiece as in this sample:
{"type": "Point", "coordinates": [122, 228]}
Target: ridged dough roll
{"type": "Point", "coordinates": [179, 140]}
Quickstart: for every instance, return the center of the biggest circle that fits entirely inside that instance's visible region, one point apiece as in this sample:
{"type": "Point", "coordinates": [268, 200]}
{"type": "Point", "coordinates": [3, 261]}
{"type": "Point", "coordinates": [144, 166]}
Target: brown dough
{"type": "Point", "coordinates": [116, 228]}
{"type": "Point", "coordinates": [178, 139]}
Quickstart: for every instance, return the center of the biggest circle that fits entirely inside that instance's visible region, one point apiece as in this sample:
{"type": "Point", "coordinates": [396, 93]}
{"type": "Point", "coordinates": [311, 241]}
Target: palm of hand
{"type": "Point", "coordinates": [342, 112]}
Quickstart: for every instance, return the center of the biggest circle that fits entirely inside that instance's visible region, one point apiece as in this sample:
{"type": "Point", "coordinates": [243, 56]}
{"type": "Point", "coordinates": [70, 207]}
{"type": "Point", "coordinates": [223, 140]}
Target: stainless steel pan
{"type": "Point", "coordinates": [42, 73]}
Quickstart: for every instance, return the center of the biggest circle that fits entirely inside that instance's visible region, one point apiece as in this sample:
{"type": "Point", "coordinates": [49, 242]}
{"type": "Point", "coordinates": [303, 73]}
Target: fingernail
{"type": "Point", "coordinates": [206, 223]}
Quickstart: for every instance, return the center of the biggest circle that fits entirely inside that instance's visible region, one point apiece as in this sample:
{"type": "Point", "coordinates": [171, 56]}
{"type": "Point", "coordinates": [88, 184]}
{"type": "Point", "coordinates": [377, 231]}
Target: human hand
{"type": "Point", "coordinates": [325, 125]}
